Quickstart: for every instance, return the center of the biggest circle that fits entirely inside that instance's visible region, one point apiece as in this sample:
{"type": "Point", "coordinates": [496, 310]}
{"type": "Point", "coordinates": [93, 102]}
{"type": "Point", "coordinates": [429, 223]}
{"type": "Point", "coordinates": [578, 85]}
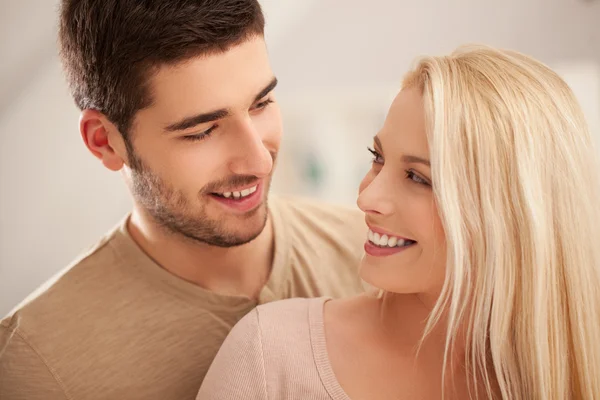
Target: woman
{"type": "Point", "coordinates": [483, 227]}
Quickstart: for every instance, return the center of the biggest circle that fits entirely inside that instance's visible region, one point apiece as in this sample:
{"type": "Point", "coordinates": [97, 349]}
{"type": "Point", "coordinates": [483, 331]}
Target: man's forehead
{"type": "Point", "coordinates": [235, 75]}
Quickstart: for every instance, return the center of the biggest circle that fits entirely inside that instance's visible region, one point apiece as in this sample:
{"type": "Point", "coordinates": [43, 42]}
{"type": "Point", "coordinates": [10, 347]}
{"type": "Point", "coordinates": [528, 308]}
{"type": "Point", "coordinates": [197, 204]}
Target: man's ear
{"type": "Point", "coordinates": [103, 139]}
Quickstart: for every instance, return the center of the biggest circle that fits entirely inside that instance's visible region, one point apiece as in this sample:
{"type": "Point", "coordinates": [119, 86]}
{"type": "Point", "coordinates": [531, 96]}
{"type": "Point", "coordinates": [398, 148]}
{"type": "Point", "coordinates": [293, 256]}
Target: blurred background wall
{"type": "Point", "coordinates": [339, 63]}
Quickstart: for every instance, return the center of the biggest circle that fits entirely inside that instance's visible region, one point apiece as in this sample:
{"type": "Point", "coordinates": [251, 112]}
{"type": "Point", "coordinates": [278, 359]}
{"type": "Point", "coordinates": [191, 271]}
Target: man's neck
{"type": "Point", "coordinates": [238, 271]}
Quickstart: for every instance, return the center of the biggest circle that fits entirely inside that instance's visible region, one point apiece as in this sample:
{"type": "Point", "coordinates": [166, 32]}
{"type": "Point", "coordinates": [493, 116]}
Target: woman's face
{"type": "Point", "coordinates": [405, 250]}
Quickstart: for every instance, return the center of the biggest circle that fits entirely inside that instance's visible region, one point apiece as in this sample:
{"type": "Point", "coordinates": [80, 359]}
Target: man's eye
{"type": "Point", "coordinates": [200, 136]}
{"type": "Point", "coordinates": [264, 104]}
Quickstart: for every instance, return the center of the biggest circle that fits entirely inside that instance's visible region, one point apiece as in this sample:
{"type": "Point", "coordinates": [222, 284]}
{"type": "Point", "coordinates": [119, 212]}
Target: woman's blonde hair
{"type": "Point", "coordinates": [517, 187]}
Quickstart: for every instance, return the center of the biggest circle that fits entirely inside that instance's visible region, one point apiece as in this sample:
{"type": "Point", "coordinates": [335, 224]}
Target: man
{"type": "Point", "coordinates": [178, 96]}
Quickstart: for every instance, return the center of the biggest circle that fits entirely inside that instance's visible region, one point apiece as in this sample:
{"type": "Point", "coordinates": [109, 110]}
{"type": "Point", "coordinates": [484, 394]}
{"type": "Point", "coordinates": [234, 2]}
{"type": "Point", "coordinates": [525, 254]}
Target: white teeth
{"type": "Point", "coordinates": [240, 194]}
{"type": "Point", "coordinates": [385, 240]}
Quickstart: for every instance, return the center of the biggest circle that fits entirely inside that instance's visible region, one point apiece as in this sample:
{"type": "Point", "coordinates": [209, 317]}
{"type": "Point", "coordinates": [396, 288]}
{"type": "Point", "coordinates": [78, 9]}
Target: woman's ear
{"type": "Point", "coordinates": [103, 139]}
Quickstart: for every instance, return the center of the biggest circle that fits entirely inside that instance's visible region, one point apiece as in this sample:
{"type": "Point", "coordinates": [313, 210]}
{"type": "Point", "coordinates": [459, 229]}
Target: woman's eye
{"type": "Point", "coordinates": [377, 158]}
{"type": "Point", "coordinates": [410, 174]}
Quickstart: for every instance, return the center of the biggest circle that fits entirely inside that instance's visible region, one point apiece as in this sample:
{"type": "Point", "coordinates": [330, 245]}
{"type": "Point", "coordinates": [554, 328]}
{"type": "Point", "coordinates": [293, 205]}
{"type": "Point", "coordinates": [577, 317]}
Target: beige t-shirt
{"type": "Point", "coordinates": [116, 325]}
{"type": "Point", "coordinates": [277, 351]}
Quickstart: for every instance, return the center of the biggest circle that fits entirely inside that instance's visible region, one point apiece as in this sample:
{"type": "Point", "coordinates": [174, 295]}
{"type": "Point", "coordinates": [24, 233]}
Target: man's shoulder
{"type": "Point", "coordinates": [55, 320]}
{"type": "Point", "coordinates": [303, 206]}
{"type": "Point", "coordinates": [321, 216]}
{"type": "Point", "coordinates": [323, 243]}
{"type": "Point", "coordinates": [52, 302]}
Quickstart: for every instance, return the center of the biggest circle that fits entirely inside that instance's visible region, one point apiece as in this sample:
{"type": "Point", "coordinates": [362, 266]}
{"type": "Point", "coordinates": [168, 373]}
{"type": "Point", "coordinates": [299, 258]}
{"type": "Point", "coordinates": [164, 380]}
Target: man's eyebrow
{"type": "Point", "coordinates": [266, 90]}
{"type": "Point", "coordinates": [190, 122]}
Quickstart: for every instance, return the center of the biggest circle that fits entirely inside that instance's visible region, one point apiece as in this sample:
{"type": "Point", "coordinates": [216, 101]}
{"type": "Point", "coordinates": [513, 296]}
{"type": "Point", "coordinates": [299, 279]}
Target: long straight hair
{"type": "Point", "coordinates": [517, 187]}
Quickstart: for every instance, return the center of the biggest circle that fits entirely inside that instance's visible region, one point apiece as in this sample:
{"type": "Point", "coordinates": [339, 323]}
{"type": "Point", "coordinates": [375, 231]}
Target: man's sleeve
{"type": "Point", "coordinates": [24, 375]}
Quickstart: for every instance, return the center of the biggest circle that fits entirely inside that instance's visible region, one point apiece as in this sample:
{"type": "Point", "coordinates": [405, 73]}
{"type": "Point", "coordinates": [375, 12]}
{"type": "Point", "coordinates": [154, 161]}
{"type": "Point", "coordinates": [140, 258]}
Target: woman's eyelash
{"type": "Point", "coordinates": [200, 136]}
{"type": "Point", "coordinates": [377, 158]}
{"type": "Point", "coordinates": [410, 174]}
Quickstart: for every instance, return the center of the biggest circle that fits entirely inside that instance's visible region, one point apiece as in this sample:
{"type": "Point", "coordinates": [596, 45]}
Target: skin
{"type": "Point", "coordinates": [213, 127]}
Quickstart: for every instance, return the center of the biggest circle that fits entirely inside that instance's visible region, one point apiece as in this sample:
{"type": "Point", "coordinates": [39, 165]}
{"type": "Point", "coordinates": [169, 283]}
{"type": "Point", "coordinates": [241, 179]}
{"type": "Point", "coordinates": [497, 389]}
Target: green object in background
{"type": "Point", "coordinates": [314, 171]}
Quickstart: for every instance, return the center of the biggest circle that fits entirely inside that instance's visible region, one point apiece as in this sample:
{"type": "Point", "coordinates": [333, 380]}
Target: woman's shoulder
{"type": "Point", "coordinates": [304, 322]}
{"type": "Point", "coordinates": [291, 327]}
{"type": "Point", "coordinates": [275, 324]}
{"type": "Point", "coordinates": [355, 308]}
{"type": "Point", "coordinates": [287, 331]}
{"type": "Point", "coordinates": [290, 315]}
{"type": "Point", "coordinates": [300, 315]}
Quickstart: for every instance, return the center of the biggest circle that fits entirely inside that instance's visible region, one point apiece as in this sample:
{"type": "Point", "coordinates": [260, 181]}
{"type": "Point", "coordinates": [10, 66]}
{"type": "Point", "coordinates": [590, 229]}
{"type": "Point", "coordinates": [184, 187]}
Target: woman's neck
{"type": "Point", "coordinates": [403, 321]}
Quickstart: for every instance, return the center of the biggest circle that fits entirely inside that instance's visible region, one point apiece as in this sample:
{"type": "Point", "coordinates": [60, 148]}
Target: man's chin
{"type": "Point", "coordinates": [246, 227]}
{"type": "Point", "coordinates": [220, 230]}
{"type": "Point", "coordinates": [234, 239]}
{"type": "Point", "coordinates": [237, 230]}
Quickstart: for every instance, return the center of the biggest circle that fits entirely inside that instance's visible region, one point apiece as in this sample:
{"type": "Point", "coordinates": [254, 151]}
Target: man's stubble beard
{"type": "Point", "coordinates": [170, 209]}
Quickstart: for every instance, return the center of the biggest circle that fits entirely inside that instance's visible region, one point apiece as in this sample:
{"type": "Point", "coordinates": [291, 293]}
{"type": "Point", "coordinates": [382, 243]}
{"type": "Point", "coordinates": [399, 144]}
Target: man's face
{"type": "Point", "coordinates": [201, 157]}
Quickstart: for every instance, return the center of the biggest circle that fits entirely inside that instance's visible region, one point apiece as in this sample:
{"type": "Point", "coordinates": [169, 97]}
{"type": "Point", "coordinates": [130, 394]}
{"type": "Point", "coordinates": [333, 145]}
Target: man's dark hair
{"type": "Point", "coordinates": [109, 48]}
